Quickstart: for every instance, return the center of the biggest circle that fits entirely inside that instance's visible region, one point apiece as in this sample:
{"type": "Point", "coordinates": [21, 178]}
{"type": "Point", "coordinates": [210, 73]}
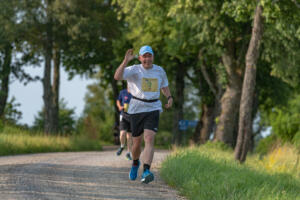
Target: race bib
{"type": "Point", "coordinates": [125, 107]}
{"type": "Point", "coordinates": [149, 84]}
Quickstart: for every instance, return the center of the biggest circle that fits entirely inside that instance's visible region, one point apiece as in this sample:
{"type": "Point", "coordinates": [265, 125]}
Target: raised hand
{"type": "Point", "coordinates": [129, 55]}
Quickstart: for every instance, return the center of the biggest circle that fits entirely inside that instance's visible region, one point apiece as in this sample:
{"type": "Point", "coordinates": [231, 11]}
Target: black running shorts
{"type": "Point", "coordinates": [145, 120]}
{"type": "Point", "coordinates": [125, 123]}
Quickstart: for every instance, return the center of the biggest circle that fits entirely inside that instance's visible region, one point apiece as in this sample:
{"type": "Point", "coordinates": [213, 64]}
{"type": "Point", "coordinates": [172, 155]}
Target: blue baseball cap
{"type": "Point", "coordinates": [145, 49]}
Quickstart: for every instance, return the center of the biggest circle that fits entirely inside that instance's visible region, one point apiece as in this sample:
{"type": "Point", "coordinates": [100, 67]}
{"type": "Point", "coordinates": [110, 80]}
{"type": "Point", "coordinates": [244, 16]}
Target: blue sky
{"type": "Point", "coordinates": [30, 96]}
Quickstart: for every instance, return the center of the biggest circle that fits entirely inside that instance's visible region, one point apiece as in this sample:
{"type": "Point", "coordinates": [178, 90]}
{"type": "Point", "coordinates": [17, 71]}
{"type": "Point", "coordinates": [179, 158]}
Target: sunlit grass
{"type": "Point", "coordinates": [17, 141]}
{"type": "Point", "coordinates": [284, 159]}
{"type": "Point", "coordinates": [210, 172]}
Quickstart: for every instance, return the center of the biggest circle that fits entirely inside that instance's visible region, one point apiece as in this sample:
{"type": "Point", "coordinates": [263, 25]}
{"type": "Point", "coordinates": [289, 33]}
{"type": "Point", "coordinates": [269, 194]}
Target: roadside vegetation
{"type": "Point", "coordinates": [210, 172]}
{"type": "Point", "coordinates": [19, 141]}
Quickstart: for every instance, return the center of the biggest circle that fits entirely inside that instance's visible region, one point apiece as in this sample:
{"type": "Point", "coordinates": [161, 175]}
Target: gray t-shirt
{"type": "Point", "coordinates": [145, 84]}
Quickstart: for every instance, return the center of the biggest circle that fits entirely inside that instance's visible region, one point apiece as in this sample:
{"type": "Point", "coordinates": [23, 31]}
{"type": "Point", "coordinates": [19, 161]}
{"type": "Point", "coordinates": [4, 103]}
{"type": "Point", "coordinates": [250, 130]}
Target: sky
{"type": "Point", "coordinates": [30, 96]}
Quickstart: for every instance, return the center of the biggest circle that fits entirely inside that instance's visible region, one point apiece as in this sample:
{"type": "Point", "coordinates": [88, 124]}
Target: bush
{"type": "Point", "coordinates": [83, 143]}
{"type": "Point", "coordinates": [296, 141]}
{"type": "Point", "coordinates": [66, 125]}
{"type": "Point", "coordinates": [267, 144]}
{"type": "Point", "coordinates": [98, 117]}
{"type": "Point", "coordinates": [1, 125]}
{"type": "Point", "coordinates": [285, 120]}
{"type": "Point", "coordinates": [163, 138]}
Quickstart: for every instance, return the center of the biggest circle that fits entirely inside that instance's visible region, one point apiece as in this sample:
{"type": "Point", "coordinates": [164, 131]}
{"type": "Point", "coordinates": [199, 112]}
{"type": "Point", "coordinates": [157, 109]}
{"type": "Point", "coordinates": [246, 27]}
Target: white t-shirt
{"type": "Point", "coordinates": [145, 84]}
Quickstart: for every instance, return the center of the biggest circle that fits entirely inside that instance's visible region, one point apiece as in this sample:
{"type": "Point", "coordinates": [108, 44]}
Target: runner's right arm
{"type": "Point", "coordinates": [120, 70]}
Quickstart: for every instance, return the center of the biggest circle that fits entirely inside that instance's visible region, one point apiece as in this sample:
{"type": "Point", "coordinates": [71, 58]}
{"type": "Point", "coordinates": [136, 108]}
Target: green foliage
{"type": "Point", "coordinates": [240, 11]}
{"type": "Point", "coordinates": [170, 39]}
{"type": "Point", "coordinates": [66, 119]}
{"type": "Point", "coordinates": [272, 91]}
{"type": "Point", "coordinates": [93, 31]}
{"type": "Point", "coordinates": [208, 173]}
{"type": "Point", "coordinates": [84, 143]}
{"type": "Point", "coordinates": [285, 120]}
{"type": "Point", "coordinates": [163, 138]}
{"type": "Point", "coordinates": [98, 118]}
{"type": "Point", "coordinates": [284, 125]}
{"type": "Point", "coordinates": [1, 125]}
{"type": "Point", "coordinates": [296, 140]}
{"type": "Point", "coordinates": [8, 22]}
{"type": "Point", "coordinates": [282, 39]}
{"type": "Point", "coordinates": [266, 144]}
{"type": "Point", "coordinates": [11, 112]}
{"type": "Point", "coordinates": [165, 120]}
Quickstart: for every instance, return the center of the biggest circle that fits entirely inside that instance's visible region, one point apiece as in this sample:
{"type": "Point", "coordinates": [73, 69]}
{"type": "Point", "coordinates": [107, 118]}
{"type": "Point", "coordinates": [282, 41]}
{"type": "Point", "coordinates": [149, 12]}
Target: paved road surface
{"type": "Point", "coordinates": [79, 176]}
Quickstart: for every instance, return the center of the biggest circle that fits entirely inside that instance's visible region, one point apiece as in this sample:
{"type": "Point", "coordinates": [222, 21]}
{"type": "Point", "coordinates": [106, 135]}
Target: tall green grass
{"type": "Point", "coordinates": [18, 141]}
{"type": "Point", "coordinates": [208, 172]}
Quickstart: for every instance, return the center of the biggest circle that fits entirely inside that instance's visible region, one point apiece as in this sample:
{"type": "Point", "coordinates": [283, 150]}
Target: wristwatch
{"type": "Point", "coordinates": [169, 97]}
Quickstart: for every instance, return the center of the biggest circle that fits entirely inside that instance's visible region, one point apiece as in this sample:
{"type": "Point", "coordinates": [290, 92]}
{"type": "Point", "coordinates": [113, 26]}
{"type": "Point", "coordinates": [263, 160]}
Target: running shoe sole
{"type": "Point", "coordinates": [148, 179]}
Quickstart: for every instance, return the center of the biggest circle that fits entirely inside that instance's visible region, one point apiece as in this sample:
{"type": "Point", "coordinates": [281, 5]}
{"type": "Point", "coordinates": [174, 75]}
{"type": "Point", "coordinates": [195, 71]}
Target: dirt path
{"type": "Point", "coordinates": [82, 175]}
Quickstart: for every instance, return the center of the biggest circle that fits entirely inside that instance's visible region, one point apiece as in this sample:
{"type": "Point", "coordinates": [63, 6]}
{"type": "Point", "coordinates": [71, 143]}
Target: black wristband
{"type": "Point", "coordinates": [169, 97]}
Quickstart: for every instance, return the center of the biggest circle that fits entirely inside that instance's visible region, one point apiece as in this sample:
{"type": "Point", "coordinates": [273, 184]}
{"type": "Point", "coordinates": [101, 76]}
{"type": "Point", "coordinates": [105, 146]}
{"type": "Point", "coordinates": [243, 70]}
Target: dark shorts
{"type": "Point", "coordinates": [145, 120]}
{"type": "Point", "coordinates": [125, 124]}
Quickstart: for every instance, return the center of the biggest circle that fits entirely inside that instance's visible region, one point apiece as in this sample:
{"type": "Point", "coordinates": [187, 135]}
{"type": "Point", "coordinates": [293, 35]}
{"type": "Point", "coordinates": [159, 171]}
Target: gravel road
{"type": "Point", "coordinates": [80, 175]}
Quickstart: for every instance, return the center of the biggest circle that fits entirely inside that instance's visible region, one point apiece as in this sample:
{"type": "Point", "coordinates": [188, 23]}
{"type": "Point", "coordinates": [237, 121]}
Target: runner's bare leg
{"type": "Point", "coordinates": [122, 137]}
{"type": "Point", "coordinates": [136, 147]}
{"type": "Point", "coordinates": [148, 153]}
{"type": "Point", "coordinates": [129, 142]}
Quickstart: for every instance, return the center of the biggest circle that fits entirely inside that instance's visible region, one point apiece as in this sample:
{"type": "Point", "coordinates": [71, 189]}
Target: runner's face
{"type": "Point", "coordinates": [146, 60]}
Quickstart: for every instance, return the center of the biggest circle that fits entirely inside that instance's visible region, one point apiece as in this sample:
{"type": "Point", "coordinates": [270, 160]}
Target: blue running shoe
{"type": "Point", "coordinates": [147, 176]}
{"type": "Point", "coordinates": [134, 172]}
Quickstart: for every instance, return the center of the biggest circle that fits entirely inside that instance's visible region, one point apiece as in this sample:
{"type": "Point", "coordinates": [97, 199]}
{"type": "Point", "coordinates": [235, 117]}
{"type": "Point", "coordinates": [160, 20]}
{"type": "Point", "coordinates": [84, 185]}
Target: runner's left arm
{"type": "Point", "coordinates": [167, 93]}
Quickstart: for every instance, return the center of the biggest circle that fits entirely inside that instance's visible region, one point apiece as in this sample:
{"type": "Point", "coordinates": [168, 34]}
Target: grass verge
{"type": "Point", "coordinates": [208, 172]}
{"type": "Point", "coordinates": [17, 141]}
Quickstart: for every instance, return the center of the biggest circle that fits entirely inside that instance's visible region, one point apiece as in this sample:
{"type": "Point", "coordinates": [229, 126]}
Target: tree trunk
{"type": "Point", "coordinates": [178, 103]}
{"type": "Point", "coordinates": [217, 108]}
{"type": "Point", "coordinates": [207, 123]}
{"type": "Point", "coordinates": [47, 96]}
{"type": "Point", "coordinates": [245, 120]}
{"type": "Point", "coordinates": [55, 89]}
{"type": "Point", "coordinates": [5, 73]}
{"type": "Point", "coordinates": [197, 132]}
{"type": "Point", "coordinates": [230, 100]}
